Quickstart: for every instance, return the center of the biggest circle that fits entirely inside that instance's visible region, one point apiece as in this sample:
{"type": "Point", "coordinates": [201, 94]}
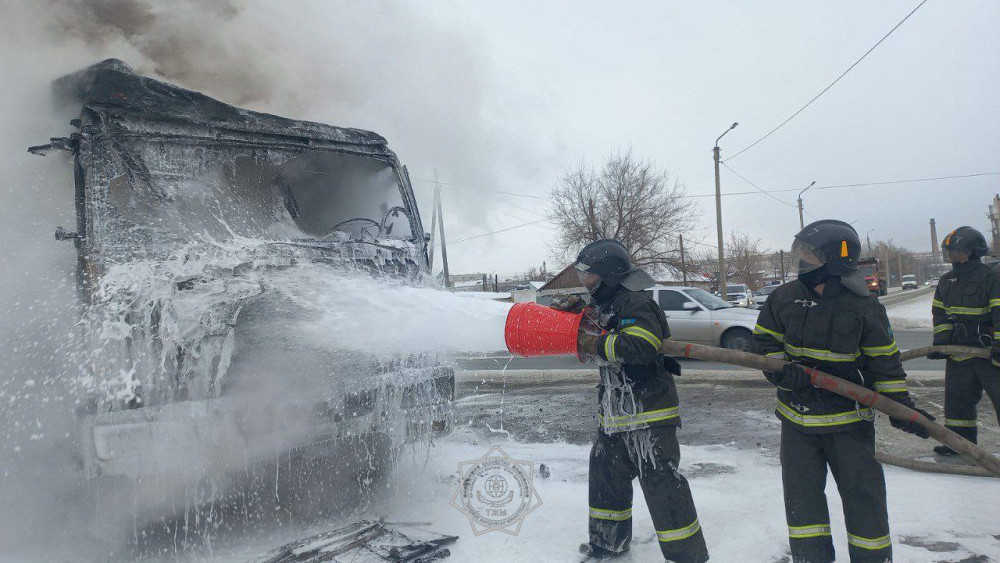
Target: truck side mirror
{"type": "Point", "coordinates": [690, 306]}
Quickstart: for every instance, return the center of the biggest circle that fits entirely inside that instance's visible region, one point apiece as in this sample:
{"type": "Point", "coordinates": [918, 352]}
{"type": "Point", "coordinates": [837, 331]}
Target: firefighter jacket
{"type": "Point", "coordinates": [839, 333]}
{"type": "Point", "coordinates": [966, 307]}
{"type": "Point", "coordinates": [637, 387]}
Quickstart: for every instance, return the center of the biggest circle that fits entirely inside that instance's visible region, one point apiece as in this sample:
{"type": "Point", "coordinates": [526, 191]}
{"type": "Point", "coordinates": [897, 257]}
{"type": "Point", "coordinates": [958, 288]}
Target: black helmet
{"type": "Point", "coordinates": [833, 246]}
{"type": "Point", "coordinates": [967, 240]}
{"type": "Point", "coordinates": [835, 243]}
{"type": "Point", "coordinates": [609, 259]}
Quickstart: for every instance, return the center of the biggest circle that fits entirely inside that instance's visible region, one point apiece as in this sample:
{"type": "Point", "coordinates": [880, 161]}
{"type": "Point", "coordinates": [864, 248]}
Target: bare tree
{"type": "Point", "coordinates": [628, 199]}
{"type": "Point", "coordinates": [744, 258]}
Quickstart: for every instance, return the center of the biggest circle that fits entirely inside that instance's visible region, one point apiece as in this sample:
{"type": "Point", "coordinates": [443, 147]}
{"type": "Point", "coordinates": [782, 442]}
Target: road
{"type": "Point", "coordinates": [906, 339]}
{"type": "Point", "coordinates": [737, 411]}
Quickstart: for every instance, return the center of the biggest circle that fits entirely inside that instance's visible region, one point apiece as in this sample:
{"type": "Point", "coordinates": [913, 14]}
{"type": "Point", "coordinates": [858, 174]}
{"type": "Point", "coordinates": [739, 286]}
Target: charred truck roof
{"type": "Point", "coordinates": [157, 163]}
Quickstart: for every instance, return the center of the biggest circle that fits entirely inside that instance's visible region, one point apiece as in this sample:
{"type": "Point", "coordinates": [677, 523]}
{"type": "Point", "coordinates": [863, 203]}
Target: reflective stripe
{"type": "Point", "coordinates": [869, 543]}
{"type": "Point", "coordinates": [938, 304]}
{"type": "Point", "coordinates": [640, 418]}
{"type": "Point", "coordinates": [810, 531]}
{"type": "Point", "coordinates": [943, 327]}
{"type": "Point", "coordinates": [994, 303]}
{"type": "Point", "coordinates": [967, 310]}
{"type": "Point", "coordinates": [996, 334]}
{"type": "Point", "coordinates": [643, 334]}
{"type": "Point", "coordinates": [959, 358]}
{"type": "Point", "coordinates": [679, 533]}
{"type": "Point", "coordinates": [960, 423]}
{"type": "Point", "coordinates": [616, 515]}
{"type": "Point", "coordinates": [894, 386]}
{"type": "Point", "coordinates": [778, 353]}
{"type": "Point", "coordinates": [813, 420]}
{"type": "Point", "coordinates": [825, 355]}
{"type": "Point", "coordinates": [995, 363]}
{"type": "Point", "coordinates": [874, 351]}
{"type": "Point", "coordinates": [775, 335]}
{"type": "Point", "coordinates": [609, 347]}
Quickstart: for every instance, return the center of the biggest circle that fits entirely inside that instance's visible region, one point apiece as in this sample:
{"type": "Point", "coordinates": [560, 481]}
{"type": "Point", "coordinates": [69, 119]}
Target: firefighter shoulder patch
{"type": "Point", "coordinates": [626, 322]}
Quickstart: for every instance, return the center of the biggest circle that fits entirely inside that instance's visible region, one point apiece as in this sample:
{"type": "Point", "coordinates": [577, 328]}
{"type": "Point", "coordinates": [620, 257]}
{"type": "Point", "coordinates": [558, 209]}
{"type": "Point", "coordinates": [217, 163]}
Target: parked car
{"type": "Point", "coordinates": [738, 294]}
{"type": "Point", "coordinates": [909, 281]}
{"type": "Point", "coordinates": [696, 315]}
{"type": "Point", "coordinates": [760, 296]}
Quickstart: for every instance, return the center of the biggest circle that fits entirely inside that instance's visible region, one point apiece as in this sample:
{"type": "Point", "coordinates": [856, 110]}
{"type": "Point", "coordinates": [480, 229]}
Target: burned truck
{"type": "Point", "coordinates": [200, 227]}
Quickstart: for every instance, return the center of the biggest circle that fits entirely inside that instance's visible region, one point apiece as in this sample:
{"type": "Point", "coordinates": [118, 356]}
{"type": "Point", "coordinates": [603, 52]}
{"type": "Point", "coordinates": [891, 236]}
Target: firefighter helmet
{"type": "Point", "coordinates": [609, 259]}
{"type": "Point", "coordinates": [829, 248]}
{"type": "Point", "coordinates": [967, 240]}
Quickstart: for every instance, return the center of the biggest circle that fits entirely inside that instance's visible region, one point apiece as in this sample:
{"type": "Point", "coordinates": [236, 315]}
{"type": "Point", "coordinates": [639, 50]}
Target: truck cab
{"type": "Point", "coordinates": [874, 277]}
{"type": "Point", "coordinates": [191, 218]}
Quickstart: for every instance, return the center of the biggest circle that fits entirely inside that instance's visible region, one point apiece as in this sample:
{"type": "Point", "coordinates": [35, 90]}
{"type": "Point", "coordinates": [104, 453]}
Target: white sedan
{"type": "Point", "coordinates": [695, 315]}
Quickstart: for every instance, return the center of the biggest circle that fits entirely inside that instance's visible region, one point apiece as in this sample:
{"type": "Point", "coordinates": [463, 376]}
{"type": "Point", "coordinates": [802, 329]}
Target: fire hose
{"type": "Point", "coordinates": [862, 395]}
{"type": "Point", "coordinates": [536, 330]}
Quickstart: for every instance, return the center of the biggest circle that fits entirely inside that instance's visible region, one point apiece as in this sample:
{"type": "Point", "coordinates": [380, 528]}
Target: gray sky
{"type": "Point", "coordinates": [578, 79]}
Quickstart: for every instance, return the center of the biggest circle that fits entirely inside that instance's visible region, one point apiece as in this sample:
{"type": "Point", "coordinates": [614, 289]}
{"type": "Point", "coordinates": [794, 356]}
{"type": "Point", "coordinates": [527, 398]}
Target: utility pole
{"type": "Point", "coordinates": [935, 250]}
{"type": "Point", "coordinates": [684, 272]}
{"type": "Point", "coordinates": [444, 246]}
{"type": "Point", "coordinates": [781, 256]}
{"type": "Point", "coordinates": [899, 261]}
{"type": "Point", "coordinates": [869, 238]}
{"type": "Point", "coordinates": [434, 219]}
{"type": "Point", "coordinates": [802, 223]}
{"type": "Point", "coordinates": [718, 214]}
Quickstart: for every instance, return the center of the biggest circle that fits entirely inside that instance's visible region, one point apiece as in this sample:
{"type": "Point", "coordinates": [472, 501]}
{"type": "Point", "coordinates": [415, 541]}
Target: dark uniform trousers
{"type": "Point", "coordinates": [615, 461]}
{"type": "Point", "coordinates": [850, 457]}
{"type": "Point", "coordinates": [964, 384]}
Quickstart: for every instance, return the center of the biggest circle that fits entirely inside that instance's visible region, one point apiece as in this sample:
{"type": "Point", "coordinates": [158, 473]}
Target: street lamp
{"type": "Point", "coordinates": [869, 238]}
{"type": "Point", "coordinates": [718, 213]}
{"type": "Point", "coordinates": [802, 224]}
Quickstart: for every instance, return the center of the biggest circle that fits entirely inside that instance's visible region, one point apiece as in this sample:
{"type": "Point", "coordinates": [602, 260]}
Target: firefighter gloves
{"type": "Point", "coordinates": [910, 427]}
{"type": "Point", "coordinates": [587, 345]}
{"type": "Point", "coordinates": [792, 377]}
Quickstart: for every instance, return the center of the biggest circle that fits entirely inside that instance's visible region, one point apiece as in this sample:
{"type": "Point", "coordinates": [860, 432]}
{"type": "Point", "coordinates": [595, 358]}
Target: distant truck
{"type": "Point", "coordinates": [192, 218]}
{"type": "Point", "coordinates": [875, 279]}
{"type": "Point", "coordinates": [909, 281]}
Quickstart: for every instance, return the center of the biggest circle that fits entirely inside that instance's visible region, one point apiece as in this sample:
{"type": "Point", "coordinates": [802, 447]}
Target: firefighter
{"type": "Point", "coordinates": [826, 319]}
{"type": "Point", "coordinates": [966, 311]}
{"type": "Point", "coordinates": [639, 413]}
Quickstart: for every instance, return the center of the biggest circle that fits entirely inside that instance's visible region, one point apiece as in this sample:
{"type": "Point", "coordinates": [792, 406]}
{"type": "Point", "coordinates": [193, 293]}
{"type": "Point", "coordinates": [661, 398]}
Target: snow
{"type": "Point", "coordinates": [913, 313]}
{"type": "Point", "coordinates": [737, 492]}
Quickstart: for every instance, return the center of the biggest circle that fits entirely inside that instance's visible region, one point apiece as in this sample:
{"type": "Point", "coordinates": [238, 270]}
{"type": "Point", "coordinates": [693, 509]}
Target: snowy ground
{"type": "Point", "coordinates": [733, 470]}
{"type": "Point", "coordinates": [914, 313]}
{"type": "Point", "coordinates": [737, 491]}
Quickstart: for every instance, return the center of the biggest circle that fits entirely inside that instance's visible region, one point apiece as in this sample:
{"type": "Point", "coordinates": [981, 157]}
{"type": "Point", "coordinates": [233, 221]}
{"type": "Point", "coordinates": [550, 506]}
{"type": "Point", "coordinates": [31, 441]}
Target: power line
{"type": "Point", "coordinates": [499, 231]}
{"type": "Point", "coordinates": [759, 189]}
{"type": "Point", "coordinates": [801, 109]}
{"type": "Point", "coordinates": [858, 185]}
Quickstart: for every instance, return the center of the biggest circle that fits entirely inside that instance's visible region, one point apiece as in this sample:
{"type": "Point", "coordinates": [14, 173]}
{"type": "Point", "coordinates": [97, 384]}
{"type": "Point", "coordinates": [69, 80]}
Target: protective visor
{"type": "Point", "coordinates": [955, 254]}
{"type": "Point", "coordinates": [590, 280]}
{"type": "Point", "coordinates": [807, 257]}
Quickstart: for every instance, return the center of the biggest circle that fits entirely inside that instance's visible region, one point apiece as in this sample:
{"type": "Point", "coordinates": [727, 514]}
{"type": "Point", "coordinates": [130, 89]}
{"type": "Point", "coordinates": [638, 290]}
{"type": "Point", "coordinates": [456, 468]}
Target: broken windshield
{"type": "Point", "coordinates": [176, 191]}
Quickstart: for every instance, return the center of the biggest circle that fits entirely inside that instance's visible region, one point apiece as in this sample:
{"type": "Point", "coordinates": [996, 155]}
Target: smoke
{"type": "Point", "coordinates": [378, 66]}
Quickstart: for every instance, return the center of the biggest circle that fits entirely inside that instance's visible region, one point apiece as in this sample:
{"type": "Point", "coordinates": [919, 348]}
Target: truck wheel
{"type": "Point", "coordinates": [738, 339]}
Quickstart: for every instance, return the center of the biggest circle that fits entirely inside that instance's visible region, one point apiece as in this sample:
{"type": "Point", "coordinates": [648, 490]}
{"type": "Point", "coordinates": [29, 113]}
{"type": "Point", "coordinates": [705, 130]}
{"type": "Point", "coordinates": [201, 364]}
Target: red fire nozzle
{"type": "Point", "coordinates": [537, 330]}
